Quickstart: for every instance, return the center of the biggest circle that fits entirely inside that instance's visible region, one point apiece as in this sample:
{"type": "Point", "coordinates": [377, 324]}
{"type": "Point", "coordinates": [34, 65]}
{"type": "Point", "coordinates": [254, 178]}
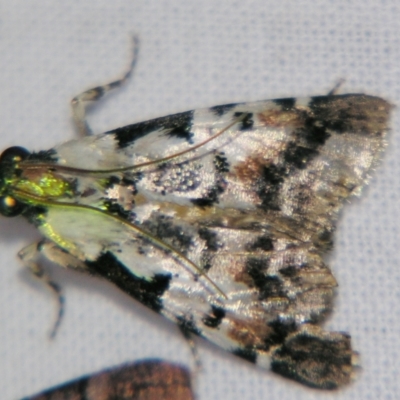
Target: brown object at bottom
{"type": "Point", "coordinates": [144, 380]}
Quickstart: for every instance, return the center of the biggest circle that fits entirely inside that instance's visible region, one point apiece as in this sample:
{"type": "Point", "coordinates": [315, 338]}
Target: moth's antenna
{"type": "Point", "coordinates": [80, 102]}
{"type": "Point", "coordinates": [30, 165]}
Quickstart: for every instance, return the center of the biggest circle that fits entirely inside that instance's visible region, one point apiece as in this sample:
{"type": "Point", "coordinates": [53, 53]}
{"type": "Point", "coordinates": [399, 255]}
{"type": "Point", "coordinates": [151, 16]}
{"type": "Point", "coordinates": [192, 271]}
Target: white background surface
{"type": "Point", "coordinates": [194, 54]}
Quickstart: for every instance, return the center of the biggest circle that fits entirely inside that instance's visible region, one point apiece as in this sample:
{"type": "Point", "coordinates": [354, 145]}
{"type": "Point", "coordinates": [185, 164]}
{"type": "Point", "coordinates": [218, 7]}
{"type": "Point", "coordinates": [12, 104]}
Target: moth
{"type": "Point", "coordinates": [218, 219]}
{"type": "Point", "coordinates": [143, 380]}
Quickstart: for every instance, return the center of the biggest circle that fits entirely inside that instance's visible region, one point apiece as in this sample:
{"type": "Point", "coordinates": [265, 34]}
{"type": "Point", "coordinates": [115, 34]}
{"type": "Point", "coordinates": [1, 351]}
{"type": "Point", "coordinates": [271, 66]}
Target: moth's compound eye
{"type": "Point", "coordinates": [13, 155]}
{"type": "Point", "coordinates": [10, 207]}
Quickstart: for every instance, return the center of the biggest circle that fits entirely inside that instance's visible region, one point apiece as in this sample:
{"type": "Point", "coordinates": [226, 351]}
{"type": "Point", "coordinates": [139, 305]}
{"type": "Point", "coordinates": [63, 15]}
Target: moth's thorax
{"type": "Point", "coordinates": [43, 183]}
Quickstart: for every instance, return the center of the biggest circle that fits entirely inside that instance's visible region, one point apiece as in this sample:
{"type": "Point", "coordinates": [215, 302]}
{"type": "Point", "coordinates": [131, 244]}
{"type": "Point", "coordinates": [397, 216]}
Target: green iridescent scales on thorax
{"type": "Point", "coordinates": [46, 185]}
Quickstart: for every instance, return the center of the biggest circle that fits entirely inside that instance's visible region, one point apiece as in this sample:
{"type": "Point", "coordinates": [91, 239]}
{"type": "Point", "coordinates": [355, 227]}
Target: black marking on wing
{"type": "Point", "coordinates": [132, 179]}
{"type": "Point", "coordinates": [187, 326]}
{"type": "Point", "coordinates": [148, 292]}
{"type": "Point", "coordinates": [163, 228]}
{"type": "Point", "coordinates": [308, 138]}
{"type": "Point", "coordinates": [214, 319]}
{"type": "Point", "coordinates": [206, 261]}
{"type": "Point", "coordinates": [111, 181]}
{"type": "Point", "coordinates": [247, 122]}
{"type": "Point", "coordinates": [280, 330]}
{"type": "Point", "coordinates": [221, 163]}
{"type": "Point", "coordinates": [221, 110]}
{"type": "Point", "coordinates": [264, 243]}
{"type": "Point", "coordinates": [285, 104]}
{"type": "Point", "coordinates": [289, 272]}
{"type": "Point", "coordinates": [318, 362]}
{"type": "Point", "coordinates": [315, 131]}
{"type": "Point", "coordinates": [177, 125]}
{"type": "Point", "coordinates": [246, 354]}
{"type": "Point", "coordinates": [268, 285]}
{"type": "Point", "coordinates": [304, 146]}
{"type": "Point", "coordinates": [125, 181]}
{"type": "Point", "coordinates": [359, 114]}
{"type": "Point", "coordinates": [211, 239]}
{"type": "Point", "coordinates": [255, 265]}
{"type": "Point", "coordinates": [113, 207]}
{"type": "Point", "coordinates": [325, 240]}
{"type": "Point", "coordinates": [269, 186]}
{"type": "Point", "coordinates": [210, 198]}
{"type": "Point", "coordinates": [326, 115]}
{"type": "Point", "coordinates": [299, 156]}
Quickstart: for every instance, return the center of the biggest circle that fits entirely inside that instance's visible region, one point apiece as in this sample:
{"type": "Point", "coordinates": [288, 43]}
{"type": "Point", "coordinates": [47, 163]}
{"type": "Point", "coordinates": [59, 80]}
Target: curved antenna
{"type": "Point", "coordinates": [31, 165]}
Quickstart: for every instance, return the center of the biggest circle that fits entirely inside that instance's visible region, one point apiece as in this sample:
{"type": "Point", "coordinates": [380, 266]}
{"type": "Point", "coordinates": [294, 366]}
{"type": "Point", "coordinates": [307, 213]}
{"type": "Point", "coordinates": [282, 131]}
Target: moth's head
{"type": "Point", "coordinates": [9, 172]}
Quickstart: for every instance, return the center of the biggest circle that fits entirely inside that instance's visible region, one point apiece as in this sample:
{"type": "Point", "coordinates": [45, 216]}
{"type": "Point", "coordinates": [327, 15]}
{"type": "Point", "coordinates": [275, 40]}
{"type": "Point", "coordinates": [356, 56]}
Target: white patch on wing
{"type": "Point", "coordinates": [91, 152]}
{"type": "Point", "coordinates": [93, 233]}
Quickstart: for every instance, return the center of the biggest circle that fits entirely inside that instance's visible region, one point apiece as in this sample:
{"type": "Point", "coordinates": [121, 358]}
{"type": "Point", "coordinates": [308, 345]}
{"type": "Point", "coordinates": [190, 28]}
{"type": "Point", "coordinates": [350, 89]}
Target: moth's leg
{"type": "Point", "coordinates": [197, 367]}
{"type": "Point", "coordinates": [29, 256]}
{"type": "Point", "coordinates": [187, 334]}
{"type": "Point", "coordinates": [80, 102]}
{"type": "Point", "coordinates": [316, 358]}
{"type": "Point", "coordinates": [334, 91]}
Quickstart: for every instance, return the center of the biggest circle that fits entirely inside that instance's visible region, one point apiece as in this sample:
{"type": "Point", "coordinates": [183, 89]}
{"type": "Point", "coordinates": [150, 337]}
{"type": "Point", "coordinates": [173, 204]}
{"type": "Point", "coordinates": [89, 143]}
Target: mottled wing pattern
{"type": "Point", "coordinates": [255, 209]}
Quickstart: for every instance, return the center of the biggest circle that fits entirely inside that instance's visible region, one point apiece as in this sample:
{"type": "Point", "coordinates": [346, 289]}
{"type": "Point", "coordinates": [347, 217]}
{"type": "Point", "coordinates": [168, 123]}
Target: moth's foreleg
{"type": "Point", "coordinates": [80, 102]}
{"type": "Point", "coordinates": [316, 358]}
{"type": "Point", "coordinates": [30, 257]}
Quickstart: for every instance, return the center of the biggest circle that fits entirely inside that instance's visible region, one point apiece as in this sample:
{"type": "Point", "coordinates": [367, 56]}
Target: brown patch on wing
{"type": "Point", "coordinates": [279, 118]}
{"type": "Point", "coordinates": [249, 333]}
{"type": "Point", "coordinates": [249, 170]}
{"type": "Point", "coordinates": [242, 276]}
{"type": "Point", "coordinates": [360, 114]}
